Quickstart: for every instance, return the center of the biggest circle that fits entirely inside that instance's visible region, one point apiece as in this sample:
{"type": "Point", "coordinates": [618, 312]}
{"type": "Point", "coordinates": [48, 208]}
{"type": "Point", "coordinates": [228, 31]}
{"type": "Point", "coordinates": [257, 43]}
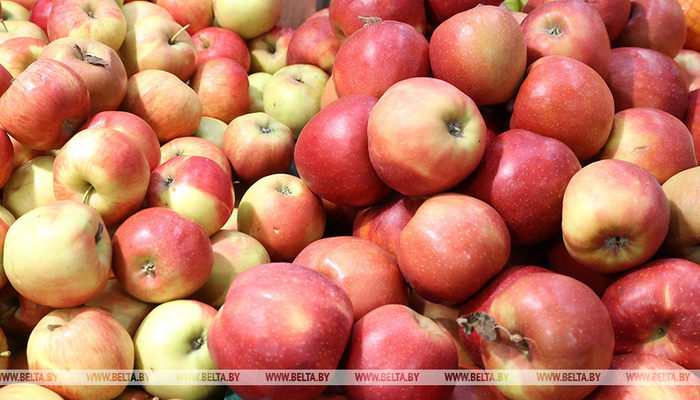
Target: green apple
{"type": "Point", "coordinates": [211, 129]}
{"type": "Point", "coordinates": [30, 186]}
{"type": "Point", "coordinates": [248, 18]}
{"type": "Point", "coordinates": [256, 86]}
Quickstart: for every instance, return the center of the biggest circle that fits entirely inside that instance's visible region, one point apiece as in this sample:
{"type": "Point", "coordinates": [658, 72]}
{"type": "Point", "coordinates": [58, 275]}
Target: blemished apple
{"type": "Point", "coordinates": [258, 145]}
{"type": "Point", "coordinates": [29, 186]}
{"type": "Point", "coordinates": [395, 337]}
{"type": "Point", "coordinates": [684, 227]}
{"type": "Point", "coordinates": [300, 312]}
{"type": "Point", "coordinates": [536, 330]}
{"type": "Point", "coordinates": [615, 216]}
{"type": "Point", "coordinates": [60, 104]}
{"type": "Point", "coordinates": [175, 269]}
{"type": "Point", "coordinates": [344, 20]}
{"type": "Point", "coordinates": [101, 20]}
{"type": "Point", "coordinates": [487, 74]}
{"type": "Point", "coordinates": [173, 336]}
{"type": "Point", "coordinates": [248, 18]}
{"type": "Point", "coordinates": [268, 51]}
{"type": "Point", "coordinates": [18, 53]}
{"type": "Point", "coordinates": [73, 274]}
{"type": "Point", "coordinates": [214, 42]}
{"type": "Point", "coordinates": [282, 213]}
{"type": "Point", "coordinates": [654, 24]}
{"type": "Point", "coordinates": [332, 155]}
{"type": "Point", "coordinates": [81, 338]}
{"type": "Point", "coordinates": [452, 246]}
{"type": "Point", "coordinates": [125, 308]}
{"type": "Point", "coordinates": [222, 87]}
{"type": "Point", "coordinates": [195, 146]}
{"type": "Point", "coordinates": [653, 139]}
{"type": "Point", "coordinates": [195, 187]}
{"type": "Point", "coordinates": [367, 273]}
{"type": "Point", "coordinates": [425, 136]}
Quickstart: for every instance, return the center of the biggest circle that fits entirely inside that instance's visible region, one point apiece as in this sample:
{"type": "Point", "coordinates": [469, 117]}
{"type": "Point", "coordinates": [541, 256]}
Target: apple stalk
{"type": "Point", "coordinates": [485, 326]}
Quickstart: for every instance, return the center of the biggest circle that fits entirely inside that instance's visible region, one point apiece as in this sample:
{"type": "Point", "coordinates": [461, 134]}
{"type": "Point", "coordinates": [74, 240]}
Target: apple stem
{"type": "Point", "coordinates": [369, 20]}
{"type": "Point", "coordinates": [485, 326]}
{"type": "Point", "coordinates": [89, 58]}
{"type": "Point", "coordinates": [88, 193]}
{"type": "Point", "coordinates": [518, 340]}
{"type": "Point", "coordinates": [5, 353]}
{"type": "Point", "coordinates": [2, 21]}
{"type": "Point", "coordinates": [53, 327]}
{"type": "Point", "coordinates": [98, 234]}
{"type": "Point", "coordinates": [172, 39]}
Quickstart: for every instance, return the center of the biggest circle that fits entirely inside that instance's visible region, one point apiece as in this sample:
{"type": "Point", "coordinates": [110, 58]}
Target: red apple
{"type": "Point", "coordinates": [314, 42]}
{"type": "Point", "coordinates": [214, 42]}
{"type": "Point", "coordinates": [39, 13]}
{"type": "Point", "coordinates": [345, 15]}
{"type": "Point", "coordinates": [7, 156]}
{"type": "Point", "coordinates": [691, 119]}
{"type": "Point", "coordinates": [18, 53]}
{"type": "Point", "coordinates": [197, 14]}
{"type": "Point", "coordinates": [195, 146]}
{"type": "Point", "coordinates": [654, 24]}
{"type": "Point", "coordinates": [5, 79]}
{"type": "Point", "coordinates": [222, 87]}
{"type": "Point", "coordinates": [268, 51]}
{"type": "Point", "coordinates": [100, 20]}
{"type": "Point", "coordinates": [560, 261]}
{"type": "Point", "coordinates": [439, 11]}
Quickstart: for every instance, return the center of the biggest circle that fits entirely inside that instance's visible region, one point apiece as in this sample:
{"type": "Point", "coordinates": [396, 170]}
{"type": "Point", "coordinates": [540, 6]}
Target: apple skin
{"type": "Point", "coordinates": [58, 342]}
{"type": "Point", "coordinates": [487, 74]}
{"type": "Point", "coordinates": [684, 228]}
{"type": "Point", "coordinates": [6, 79]}
{"type": "Point", "coordinates": [195, 187]}
{"type": "Point", "coordinates": [7, 155]}
{"type": "Point", "coordinates": [268, 51]}
{"type": "Point", "coordinates": [314, 42]}
{"type": "Point", "coordinates": [248, 18]}
{"type": "Point", "coordinates": [175, 269]}
{"type": "Point", "coordinates": [282, 213]}
{"type": "Point", "coordinates": [60, 104]}
{"type": "Point", "coordinates": [379, 55]}
{"type": "Point", "coordinates": [195, 146]}
{"type": "Point", "coordinates": [332, 156]}
{"type": "Point", "coordinates": [214, 42]}
{"type": "Point", "coordinates": [382, 223]}
{"type": "Point", "coordinates": [258, 145]}
{"type": "Point", "coordinates": [367, 273]}
{"type": "Point", "coordinates": [125, 308]}
{"type": "Point", "coordinates": [21, 391]}
{"type": "Point", "coordinates": [101, 20]}
{"type": "Point", "coordinates": [212, 130]}
{"type": "Point", "coordinates": [135, 11]}
{"type": "Point", "coordinates": [343, 14]}
{"type": "Point", "coordinates": [132, 126]}
{"type": "Point", "coordinates": [197, 14]}
{"type": "Point", "coordinates": [597, 224]}
{"type": "Point", "coordinates": [691, 119]}
{"type": "Point", "coordinates": [29, 186]}
{"type": "Point", "coordinates": [222, 87]}
{"type": "Point", "coordinates": [523, 176]}
{"type": "Point", "coordinates": [570, 28]}
{"type": "Point", "coordinates": [22, 28]}
{"type": "Point", "coordinates": [395, 337]}
{"type": "Point", "coordinates": [557, 88]}
{"type": "Point", "coordinates": [425, 136]}
{"type": "Point", "coordinates": [452, 246]}
{"type": "Point", "coordinates": [439, 11]}
{"type": "Point", "coordinates": [19, 315]}
{"type": "Point", "coordinates": [653, 139]}
{"type": "Point", "coordinates": [104, 169]}
{"type": "Point", "coordinates": [642, 77]}
{"type": "Point", "coordinates": [639, 361]}
{"type": "Point", "coordinates": [39, 13]}
{"type": "Point", "coordinates": [281, 316]}
{"type": "Point", "coordinates": [70, 277]}
{"type": "Point", "coordinates": [575, 334]}
{"type": "Point", "coordinates": [18, 53]}
{"type": "Point", "coordinates": [654, 24]}
{"type": "Point", "coordinates": [256, 87]}
{"type": "Point", "coordinates": [12, 10]}
{"type": "Point", "coordinates": [560, 261]}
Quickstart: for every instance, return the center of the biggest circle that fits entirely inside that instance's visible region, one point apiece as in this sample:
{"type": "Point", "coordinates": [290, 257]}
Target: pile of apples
{"type": "Point", "coordinates": [188, 184]}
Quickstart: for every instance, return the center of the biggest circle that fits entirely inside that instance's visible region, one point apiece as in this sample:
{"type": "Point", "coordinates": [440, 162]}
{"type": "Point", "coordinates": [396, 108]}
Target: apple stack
{"type": "Point", "coordinates": [385, 185]}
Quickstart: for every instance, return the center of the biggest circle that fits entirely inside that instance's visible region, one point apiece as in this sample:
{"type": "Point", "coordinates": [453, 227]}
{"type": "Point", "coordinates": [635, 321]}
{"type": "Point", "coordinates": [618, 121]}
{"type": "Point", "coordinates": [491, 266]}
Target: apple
{"type": "Point", "coordinates": [169, 106]}
{"type": "Point", "coordinates": [7, 155]}
{"type": "Point", "coordinates": [368, 274]}
{"type": "Point", "coordinates": [299, 312]}
{"type": "Point", "coordinates": [329, 93]}
{"type": "Point", "coordinates": [395, 337]}
{"type": "Point", "coordinates": [258, 145]}
{"type": "Point", "coordinates": [21, 391]}
{"type": "Point", "coordinates": [16, 54]}
{"type": "Point", "coordinates": [39, 13]}
{"type": "Point", "coordinates": [222, 87]}
{"type": "Point", "coordinates": [30, 186]}
{"type": "Point", "coordinates": [553, 334]}
{"type": "Point", "coordinates": [344, 15]}
{"type": "Point", "coordinates": [293, 93]}
{"type": "Point", "coordinates": [478, 391]}
{"type": "Point", "coordinates": [159, 43]}
{"type": "Point", "coordinates": [101, 20]}
{"type": "Point", "coordinates": [6, 220]}
{"type": "Point", "coordinates": [6, 79]}
{"type": "Point", "coordinates": [135, 11]}
{"type": "Point", "coordinates": [332, 155]}
{"type": "Point", "coordinates": [642, 77]}
{"type": "Point", "coordinates": [653, 139]}
{"type": "Point", "coordinates": [211, 129]}
{"type": "Point", "coordinates": [246, 18]}
{"type": "Point", "coordinates": [173, 336]}
{"type": "Point", "coordinates": [382, 223]}
{"type": "Point", "coordinates": [132, 126]}
{"type": "Point", "coordinates": [60, 104]}
{"type": "Point", "coordinates": [98, 65]}
{"type": "Point", "coordinates": [234, 252]}
{"type": "Point", "coordinates": [452, 246]}
{"type": "Point", "coordinates": [268, 51]}
{"type": "Point", "coordinates": [565, 99]}
{"type": "Point", "coordinates": [379, 55]}
{"type": "Point", "coordinates": [560, 261]}
{"type": "Point", "coordinates": [174, 269]}
{"type": "Point", "coordinates": [570, 28]}
{"type": "Point", "coordinates": [195, 187]}
{"type": "Point", "coordinates": [487, 74]}
{"type": "Point", "coordinates": [615, 216]}
{"type": "Point", "coordinates": [197, 14]}
{"type": "Point", "coordinates": [684, 228]}
{"type": "Point", "coordinates": [22, 153]}
{"type": "Point", "coordinates": [104, 169]}
{"type": "Point", "coordinates": [195, 146]}
{"type": "Point", "coordinates": [214, 42]}
{"type": "Point", "coordinates": [691, 119]}
{"type": "Point", "coordinates": [654, 24]}
{"type": "Point", "coordinates": [13, 11]}
{"type": "Point", "coordinates": [282, 213]}
{"type": "Point", "coordinates": [523, 176]}
{"type": "Point", "coordinates": [425, 136]}
{"type": "Point", "coordinates": [256, 86]}
{"type": "Point", "coordinates": [10, 29]}
{"type": "Point", "coordinates": [72, 275]}
{"type": "Point", "coordinates": [125, 308]}
{"type": "Point", "coordinates": [690, 10]}
{"type": "Point", "coordinates": [314, 42]}
{"type": "Point", "coordinates": [439, 11]}
{"type": "Point", "coordinates": [689, 61]}
{"type": "Point", "coordinates": [63, 337]}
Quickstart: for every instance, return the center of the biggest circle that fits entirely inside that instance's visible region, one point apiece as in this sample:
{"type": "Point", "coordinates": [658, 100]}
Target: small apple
{"type": "Point", "coordinates": [248, 18]}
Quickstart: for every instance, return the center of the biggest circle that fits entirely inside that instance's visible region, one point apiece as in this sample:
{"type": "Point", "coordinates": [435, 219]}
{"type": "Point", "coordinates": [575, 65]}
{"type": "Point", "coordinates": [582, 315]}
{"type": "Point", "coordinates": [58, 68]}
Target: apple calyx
{"type": "Point", "coordinates": [149, 269]}
{"type": "Point", "coordinates": [616, 243]}
{"type": "Point", "coordinates": [89, 58]}
{"type": "Point", "coordinates": [285, 190]}
{"type": "Point", "coordinates": [369, 20]}
{"type": "Point", "coordinates": [196, 343]}
{"type": "Point", "coordinates": [454, 128]}
{"type": "Point", "coordinates": [6, 353]}
{"type": "Point", "coordinates": [554, 31]}
{"type": "Point", "coordinates": [485, 326]}
{"type": "Point", "coordinates": [659, 333]}
{"type": "Point", "coordinates": [171, 41]}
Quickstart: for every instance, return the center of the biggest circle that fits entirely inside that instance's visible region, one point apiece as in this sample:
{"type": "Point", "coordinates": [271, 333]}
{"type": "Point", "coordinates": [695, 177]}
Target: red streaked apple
{"type": "Point", "coordinates": [125, 308]}
{"type": "Point", "coordinates": [425, 136]}
{"type": "Point", "coordinates": [174, 269]}
{"type": "Point", "coordinates": [344, 15]}
{"type": "Point", "coordinates": [101, 20]}
{"type": "Point", "coordinates": [197, 14]}
{"type": "Point", "coordinates": [560, 261]}
{"type": "Point", "coordinates": [615, 216]}
{"type": "Point", "coordinates": [10, 29]}
{"type": "Point", "coordinates": [314, 42]}
{"type": "Point", "coordinates": [29, 186]}
{"type": "Point", "coordinates": [7, 156]}
{"type": "Point", "coordinates": [39, 13]}
{"type": "Point", "coordinates": [684, 229]}
{"type": "Point", "coordinates": [222, 87]}
{"type": "Point", "coordinates": [18, 53]}
{"type": "Point", "coordinates": [195, 146]}
{"type": "Point", "coordinates": [268, 51]}
{"type": "Point", "coordinates": [248, 18]}
{"type": "Point", "coordinates": [214, 42]}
